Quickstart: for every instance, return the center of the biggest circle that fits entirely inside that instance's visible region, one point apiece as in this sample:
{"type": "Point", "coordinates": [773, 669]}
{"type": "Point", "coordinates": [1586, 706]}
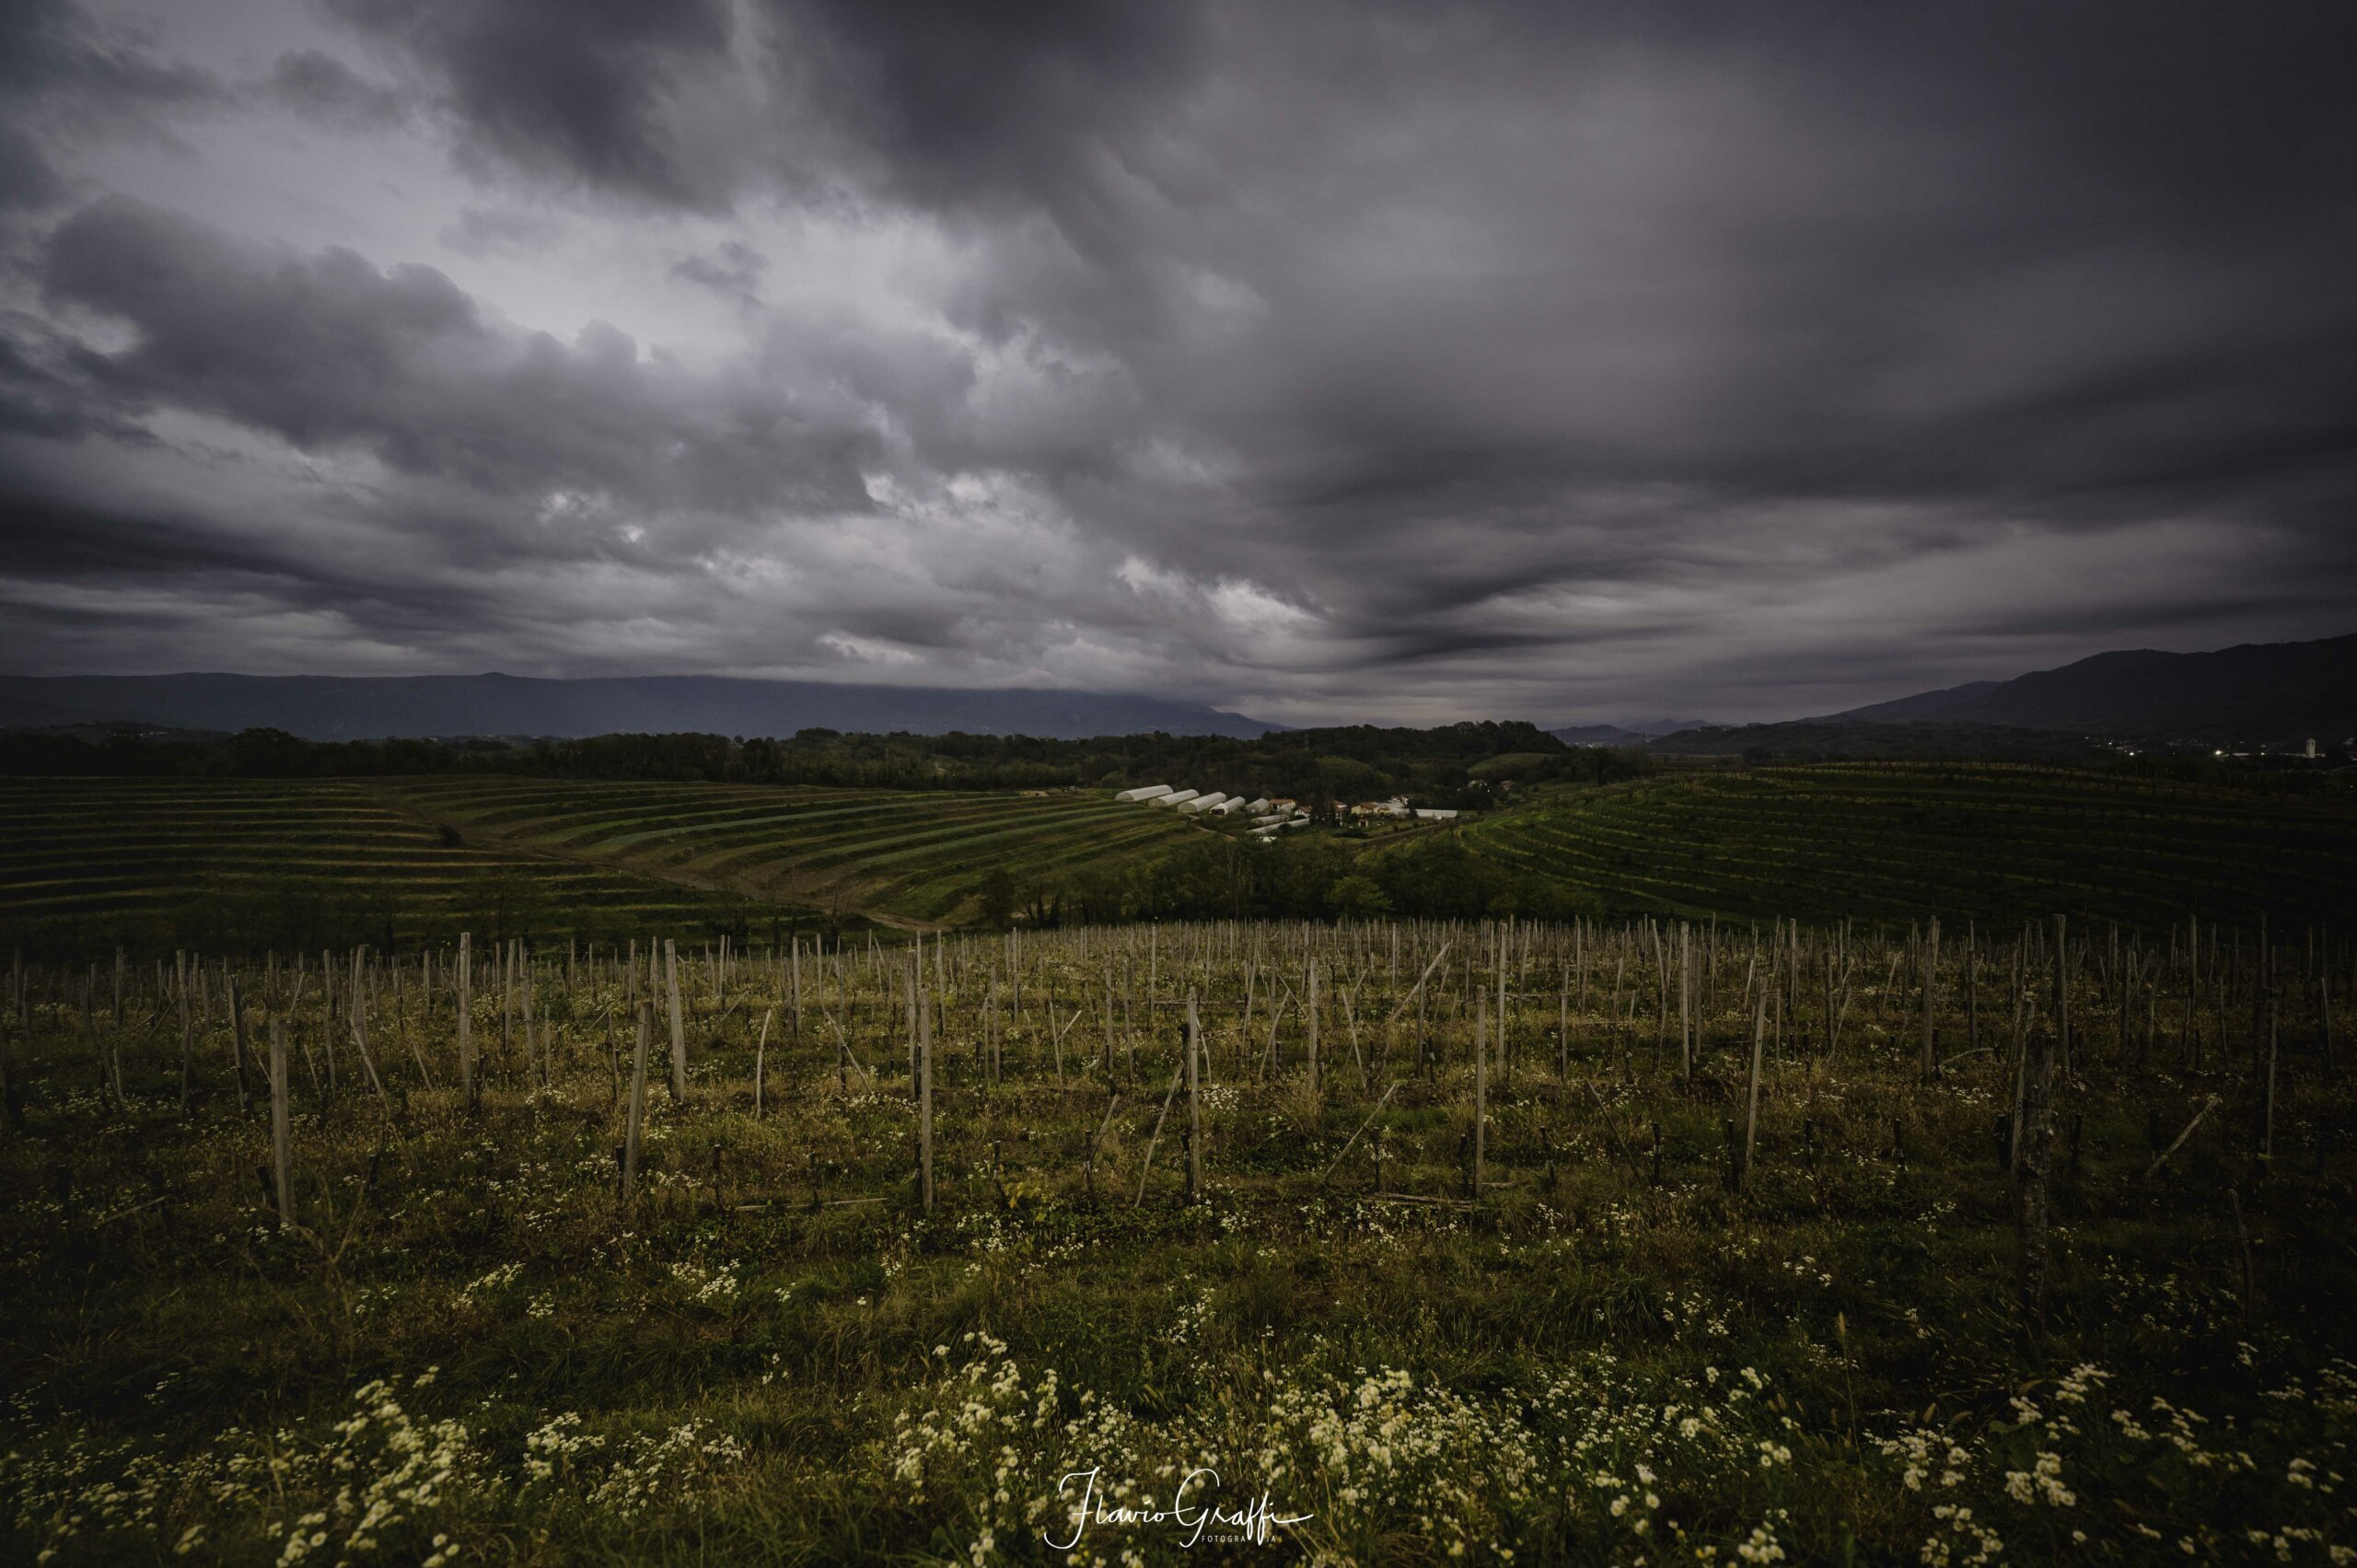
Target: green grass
{"type": "Point", "coordinates": [1903, 841]}
{"type": "Point", "coordinates": [769, 1355]}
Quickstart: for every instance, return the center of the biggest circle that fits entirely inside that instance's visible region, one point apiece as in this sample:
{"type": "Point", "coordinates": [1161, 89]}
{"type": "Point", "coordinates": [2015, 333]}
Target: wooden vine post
{"type": "Point", "coordinates": [279, 1141]}
{"type": "Point", "coordinates": [678, 1024]}
{"type": "Point", "coordinates": [1480, 1099]}
{"type": "Point", "coordinates": [925, 1102]}
{"type": "Point", "coordinates": [2034, 1154]}
{"type": "Point", "coordinates": [636, 1111]}
{"type": "Point", "coordinates": [1751, 1100]}
{"type": "Point", "coordinates": [467, 1086]}
{"type": "Point", "coordinates": [1313, 1033]}
{"type": "Point", "coordinates": [1930, 993]}
{"type": "Point", "coordinates": [1194, 1103]}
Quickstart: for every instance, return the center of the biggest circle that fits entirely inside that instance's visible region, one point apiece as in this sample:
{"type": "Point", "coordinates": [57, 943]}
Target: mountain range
{"type": "Point", "coordinates": [322, 707]}
{"type": "Point", "coordinates": [2266, 694]}
{"type": "Point", "coordinates": [2263, 693]}
{"type": "Point", "coordinates": [2252, 691]}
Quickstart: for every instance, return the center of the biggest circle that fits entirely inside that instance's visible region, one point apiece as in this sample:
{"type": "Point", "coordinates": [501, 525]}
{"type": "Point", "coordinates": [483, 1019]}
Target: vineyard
{"type": "Point", "coordinates": [92, 863]}
{"type": "Point", "coordinates": [920, 857]}
{"type": "Point", "coordinates": [1903, 841]}
{"type": "Point", "coordinates": [88, 864]}
{"type": "Point", "coordinates": [1500, 1242]}
{"type": "Point", "coordinates": [247, 864]}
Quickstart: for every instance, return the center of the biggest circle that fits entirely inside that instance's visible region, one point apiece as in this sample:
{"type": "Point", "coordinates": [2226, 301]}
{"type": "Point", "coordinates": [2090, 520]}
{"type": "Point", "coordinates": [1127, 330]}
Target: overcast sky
{"type": "Point", "coordinates": [1396, 361]}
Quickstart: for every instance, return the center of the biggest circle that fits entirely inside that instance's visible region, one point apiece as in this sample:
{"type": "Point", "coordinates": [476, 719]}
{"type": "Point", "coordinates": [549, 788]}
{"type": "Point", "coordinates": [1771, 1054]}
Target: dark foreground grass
{"type": "Point", "coordinates": [468, 1348]}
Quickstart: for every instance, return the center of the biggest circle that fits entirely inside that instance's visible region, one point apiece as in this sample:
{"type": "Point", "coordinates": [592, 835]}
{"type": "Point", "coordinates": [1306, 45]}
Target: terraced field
{"type": "Point", "coordinates": [1899, 841]}
{"type": "Point", "coordinates": [914, 856]}
{"type": "Point", "coordinates": [212, 863]}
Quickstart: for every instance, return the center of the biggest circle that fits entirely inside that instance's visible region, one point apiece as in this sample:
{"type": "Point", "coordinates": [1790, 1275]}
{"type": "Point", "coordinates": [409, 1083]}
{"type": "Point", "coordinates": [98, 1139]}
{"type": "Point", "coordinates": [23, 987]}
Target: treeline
{"type": "Point", "coordinates": [1465, 765]}
{"type": "Point", "coordinates": [1311, 877]}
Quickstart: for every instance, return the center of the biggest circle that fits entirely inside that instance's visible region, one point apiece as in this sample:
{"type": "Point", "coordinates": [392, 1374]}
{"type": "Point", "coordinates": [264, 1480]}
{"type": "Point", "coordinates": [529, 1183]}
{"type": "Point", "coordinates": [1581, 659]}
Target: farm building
{"type": "Point", "coordinates": [1436, 813]}
{"type": "Point", "coordinates": [1144, 792]}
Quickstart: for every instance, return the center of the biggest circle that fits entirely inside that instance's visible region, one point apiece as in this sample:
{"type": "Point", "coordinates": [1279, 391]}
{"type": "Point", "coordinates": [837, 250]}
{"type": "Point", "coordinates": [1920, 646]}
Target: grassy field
{"type": "Point", "coordinates": [1904, 840]}
{"type": "Point", "coordinates": [1489, 1283]}
{"type": "Point", "coordinates": [917, 858]}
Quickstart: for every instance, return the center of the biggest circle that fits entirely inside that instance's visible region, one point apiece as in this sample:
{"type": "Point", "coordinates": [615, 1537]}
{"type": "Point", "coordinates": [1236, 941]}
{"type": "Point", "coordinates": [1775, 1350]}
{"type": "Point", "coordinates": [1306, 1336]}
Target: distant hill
{"type": "Point", "coordinates": [320, 707]}
{"type": "Point", "coordinates": [2267, 692]}
{"type": "Point", "coordinates": [1817, 740]}
{"type": "Point", "coordinates": [1631, 732]}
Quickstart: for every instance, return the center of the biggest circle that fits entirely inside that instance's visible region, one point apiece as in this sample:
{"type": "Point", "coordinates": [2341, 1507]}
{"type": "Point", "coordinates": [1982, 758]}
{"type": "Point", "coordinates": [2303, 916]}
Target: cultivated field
{"type": "Point", "coordinates": [244, 864]}
{"type": "Point", "coordinates": [919, 857]}
{"type": "Point", "coordinates": [87, 864]}
{"type": "Point", "coordinates": [155, 864]}
{"type": "Point", "coordinates": [1896, 840]}
{"type": "Point", "coordinates": [1592, 1243]}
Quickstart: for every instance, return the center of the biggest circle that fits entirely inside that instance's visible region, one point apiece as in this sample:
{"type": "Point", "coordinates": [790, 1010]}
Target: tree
{"type": "Point", "coordinates": [1358, 898]}
{"type": "Point", "coordinates": [998, 897]}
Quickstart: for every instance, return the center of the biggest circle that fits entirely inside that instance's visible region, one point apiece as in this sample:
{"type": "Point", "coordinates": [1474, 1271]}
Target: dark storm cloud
{"type": "Point", "coordinates": [56, 61]}
{"type": "Point", "coordinates": [327, 350]}
{"type": "Point", "coordinates": [64, 539]}
{"type": "Point", "coordinates": [963, 104]}
{"type": "Point", "coordinates": [27, 179]}
{"type": "Point", "coordinates": [1400, 358]}
{"type": "Point", "coordinates": [586, 89]}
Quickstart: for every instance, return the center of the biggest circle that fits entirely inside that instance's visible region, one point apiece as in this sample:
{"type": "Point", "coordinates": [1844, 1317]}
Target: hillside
{"type": "Point", "coordinates": [234, 864]}
{"type": "Point", "coordinates": [1902, 842]}
{"type": "Point", "coordinates": [917, 858]}
{"type": "Point", "coordinates": [1819, 740]}
{"type": "Point", "coordinates": [2256, 693]}
{"type": "Point", "coordinates": [151, 864]}
{"type": "Point", "coordinates": [87, 864]}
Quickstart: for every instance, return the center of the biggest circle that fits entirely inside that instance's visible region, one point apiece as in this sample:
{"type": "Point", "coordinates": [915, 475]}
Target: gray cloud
{"type": "Point", "coordinates": [1401, 360]}
{"type": "Point", "coordinates": [326, 351]}
{"type": "Point", "coordinates": [317, 85]}
{"type": "Point", "coordinates": [587, 90]}
{"type": "Point", "coordinates": [60, 66]}
{"type": "Point", "coordinates": [732, 268]}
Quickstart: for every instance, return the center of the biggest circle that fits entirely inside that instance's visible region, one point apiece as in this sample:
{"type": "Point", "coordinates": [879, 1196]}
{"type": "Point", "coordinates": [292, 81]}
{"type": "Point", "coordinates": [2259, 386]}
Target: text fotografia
{"type": "Point", "coordinates": [1189, 1513]}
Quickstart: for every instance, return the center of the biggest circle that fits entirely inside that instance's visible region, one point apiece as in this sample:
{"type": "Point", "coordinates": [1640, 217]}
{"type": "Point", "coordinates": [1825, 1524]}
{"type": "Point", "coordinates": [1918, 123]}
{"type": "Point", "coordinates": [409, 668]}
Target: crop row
{"type": "Point", "coordinates": [152, 860]}
{"type": "Point", "coordinates": [1896, 841]}
{"type": "Point", "coordinates": [922, 856]}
